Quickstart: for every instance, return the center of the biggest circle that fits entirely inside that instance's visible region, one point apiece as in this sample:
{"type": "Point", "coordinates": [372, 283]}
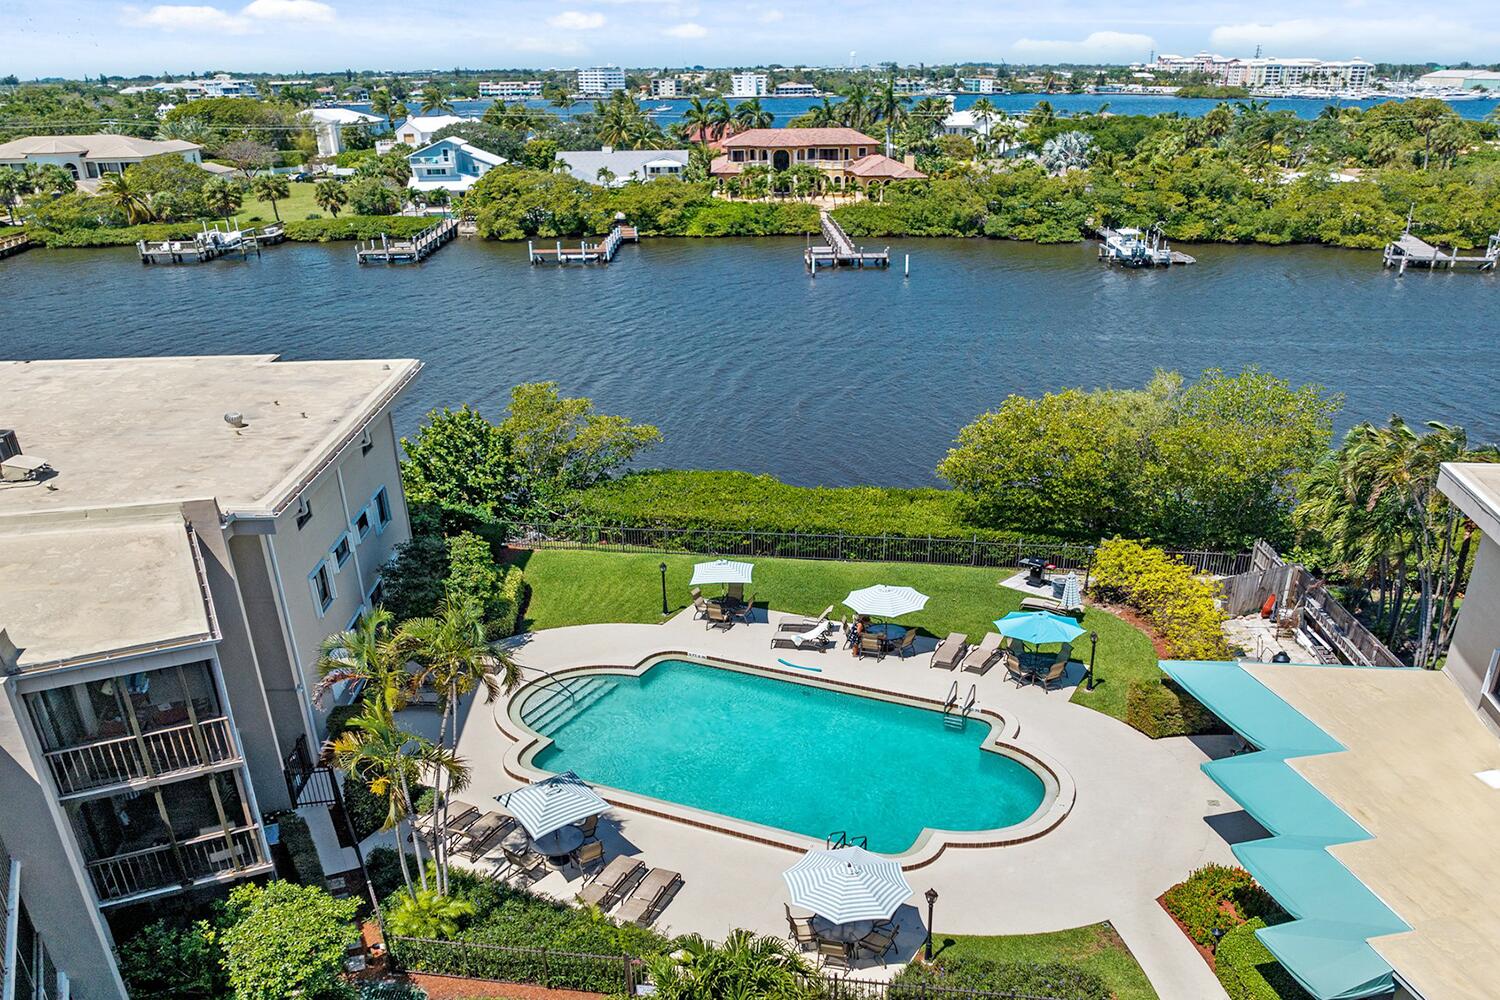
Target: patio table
{"type": "Point", "coordinates": [847, 933]}
{"type": "Point", "coordinates": [555, 846]}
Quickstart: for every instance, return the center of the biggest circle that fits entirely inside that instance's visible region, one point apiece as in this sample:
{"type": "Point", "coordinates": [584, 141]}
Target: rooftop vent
{"type": "Point", "coordinates": [234, 418]}
{"type": "Point", "coordinates": [10, 447]}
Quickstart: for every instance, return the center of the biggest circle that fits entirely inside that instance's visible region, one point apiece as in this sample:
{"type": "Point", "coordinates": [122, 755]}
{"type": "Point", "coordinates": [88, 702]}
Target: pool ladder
{"type": "Point", "coordinates": [956, 716]}
{"type": "Point", "coordinates": [842, 838]}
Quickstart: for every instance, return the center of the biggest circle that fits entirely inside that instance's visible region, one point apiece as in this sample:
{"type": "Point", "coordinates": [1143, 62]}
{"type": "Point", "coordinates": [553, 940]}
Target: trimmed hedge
{"type": "Point", "coordinates": [1049, 979]}
{"type": "Point", "coordinates": [743, 501]}
{"type": "Point", "coordinates": [300, 849]}
{"type": "Point", "coordinates": [1248, 971]}
{"type": "Point", "coordinates": [120, 236]}
{"type": "Point", "coordinates": [1161, 708]}
{"type": "Point", "coordinates": [355, 227]}
{"type": "Point", "coordinates": [1181, 604]}
{"type": "Point", "coordinates": [500, 590]}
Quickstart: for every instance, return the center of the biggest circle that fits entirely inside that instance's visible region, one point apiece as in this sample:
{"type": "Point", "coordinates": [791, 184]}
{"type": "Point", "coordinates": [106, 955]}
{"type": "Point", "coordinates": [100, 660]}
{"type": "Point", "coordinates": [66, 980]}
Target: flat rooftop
{"type": "Point", "coordinates": [79, 585]}
{"type": "Point", "coordinates": [1408, 777]}
{"type": "Point", "coordinates": [143, 430]}
{"type": "Point", "coordinates": [1474, 487]}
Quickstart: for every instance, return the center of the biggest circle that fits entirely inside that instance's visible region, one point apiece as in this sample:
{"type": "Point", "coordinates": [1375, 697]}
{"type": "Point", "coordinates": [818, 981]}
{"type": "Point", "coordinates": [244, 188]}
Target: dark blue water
{"type": "Point", "coordinates": [787, 108]}
{"type": "Point", "coordinates": [746, 362]}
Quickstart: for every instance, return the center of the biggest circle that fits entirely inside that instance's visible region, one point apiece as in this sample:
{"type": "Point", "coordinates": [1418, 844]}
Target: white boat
{"type": "Point", "coordinates": [1133, 248]}
{"type": "Point", "coordinates": [662, 107]}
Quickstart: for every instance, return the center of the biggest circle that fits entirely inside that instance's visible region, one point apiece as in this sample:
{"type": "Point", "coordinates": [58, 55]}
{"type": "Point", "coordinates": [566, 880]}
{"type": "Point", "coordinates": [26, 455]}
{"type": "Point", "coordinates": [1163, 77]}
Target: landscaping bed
{"type": "Point", "coordinates": [1219, 908]}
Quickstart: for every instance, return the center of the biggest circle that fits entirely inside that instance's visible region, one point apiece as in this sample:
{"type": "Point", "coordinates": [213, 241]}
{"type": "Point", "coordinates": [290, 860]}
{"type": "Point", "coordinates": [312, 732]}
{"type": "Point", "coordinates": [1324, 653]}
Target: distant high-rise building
{"type": "Point", "coordinates": [749, 84]}
{"type": "Point", "coordinates": [601, 80]}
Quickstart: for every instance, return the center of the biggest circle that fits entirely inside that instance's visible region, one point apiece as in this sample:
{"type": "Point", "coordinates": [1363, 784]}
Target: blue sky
{"type": "Point", "coordinates": [76, 37]}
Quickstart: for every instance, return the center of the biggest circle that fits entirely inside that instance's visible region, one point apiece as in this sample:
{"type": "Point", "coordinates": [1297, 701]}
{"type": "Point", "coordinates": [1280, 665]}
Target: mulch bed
{"type": "Point", "coordinates": [455, 988]}
{"type": "Point", "coordinates": [1133, 617]}
{"type": "Point", "coordinates": [1206, 953]}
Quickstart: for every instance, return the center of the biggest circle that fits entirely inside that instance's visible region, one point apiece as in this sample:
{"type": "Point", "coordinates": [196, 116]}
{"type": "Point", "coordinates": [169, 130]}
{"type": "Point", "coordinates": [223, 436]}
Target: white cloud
{"type": "Point", "coordinates": [1099, 46]}
{"type": "Point", "coordinates": [309, 11]}
{"type": "Point", "coordinates": [771, 16]}
{"type": "Point", "coordinates": [184, 17]}
{"type": "Point", "coordinates": [1400, 39]}
{"type": "Point", "coordinates": [687, 29]}
{"type": "Point", "coordinates": [576, 20]}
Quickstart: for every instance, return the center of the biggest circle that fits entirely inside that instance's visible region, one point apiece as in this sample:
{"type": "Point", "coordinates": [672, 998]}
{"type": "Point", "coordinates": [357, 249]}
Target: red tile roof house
{"type": "Point", "coordinates": [850, 157]}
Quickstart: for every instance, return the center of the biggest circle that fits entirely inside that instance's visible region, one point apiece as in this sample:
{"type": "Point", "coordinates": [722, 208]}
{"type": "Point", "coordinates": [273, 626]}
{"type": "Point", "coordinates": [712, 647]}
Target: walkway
{"type": "Point", "coordinates": [1145, 814]}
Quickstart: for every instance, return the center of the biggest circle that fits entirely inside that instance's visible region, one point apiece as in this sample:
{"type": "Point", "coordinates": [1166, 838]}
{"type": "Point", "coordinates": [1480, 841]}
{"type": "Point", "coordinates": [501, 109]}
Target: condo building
{"type": "Point", "coordinates": [177, 536]}
{"type": "Point", "coordinates": [510, 90]}
{"type": "Point", "coordinates": [601, 80]}
{"type": "Point", "coordinates": [749, 84]}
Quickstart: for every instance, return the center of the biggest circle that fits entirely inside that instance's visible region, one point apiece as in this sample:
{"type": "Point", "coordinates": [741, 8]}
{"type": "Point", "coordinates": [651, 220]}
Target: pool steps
{"type": "Point", "coordinates": [564, 701]}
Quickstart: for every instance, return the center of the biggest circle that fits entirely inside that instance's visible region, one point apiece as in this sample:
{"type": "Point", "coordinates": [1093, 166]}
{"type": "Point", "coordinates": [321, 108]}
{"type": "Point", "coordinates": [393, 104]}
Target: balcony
{"type": "Point", "coordinates": [158, 753]}
{"type": "Point", "coordinates": [205, 858]}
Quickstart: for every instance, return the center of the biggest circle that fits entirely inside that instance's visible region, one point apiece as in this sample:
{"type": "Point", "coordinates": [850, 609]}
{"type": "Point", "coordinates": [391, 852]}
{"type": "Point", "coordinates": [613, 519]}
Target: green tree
{"type": "Point", "coordinates": [13, 184]}
{"type": "Point", "coordinates": [381, 104]}
{"type": "Point", "coordinates": [50, 179]}
{"type": "Point", "coordinates": [752, 114]}
{"type": "Point", "coordinates": [373, 196]}
{"type": "Point", "coordinates": [125, 193]}
{"type": "Point", "coordinates": [163, 961]}
{"type": "Point", "coordinates": [465, 466]}
{"type": "Point", "coordinates": [366, 654]}
{"type": "Point", "coordinates": [222, 196]}
{"type": "Point", "coordinates": [284, 940]}
{"type": "Point", "coordinates": [540, 154]}
{"type": "Point", "coordinates": [331, 195]}
{"type": "Point", "coordinates": [272, 188]}
{"type": "Point", "coordinates": [433, 101]}
{"type": "Point", "coordinates": [428, 914]}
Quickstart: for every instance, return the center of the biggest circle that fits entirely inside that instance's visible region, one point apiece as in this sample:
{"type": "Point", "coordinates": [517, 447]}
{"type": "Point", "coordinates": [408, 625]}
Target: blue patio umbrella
{"type": "Point", "coordinates": [1038, 628]}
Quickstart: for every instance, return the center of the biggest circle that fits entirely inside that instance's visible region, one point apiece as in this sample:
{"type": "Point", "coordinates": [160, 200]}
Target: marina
{"type": "Point", "coordinates": [602, 252]}
{"type": "Point", "coordinates": [429, 241]}
{"type": "Point", "coordinates": [210, 244]}
{"type": "Point", "coordinates": [840, 250]}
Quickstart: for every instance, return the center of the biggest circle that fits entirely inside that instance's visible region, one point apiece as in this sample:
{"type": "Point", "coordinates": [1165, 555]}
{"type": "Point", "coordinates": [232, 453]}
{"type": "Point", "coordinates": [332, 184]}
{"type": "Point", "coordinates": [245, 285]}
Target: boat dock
{"type": "Point", "coordinates": [1411, 251]}
{"type": "Point", "coordinates": [410, 250]}
{"type": "Point", "coordinates": [841, 251]}
{"type": "Point", "coordinates": [1133, 248]}
{"type": "Point", "coordinates": [585, 253]}
{"type": "Point", "coordinates": [209, 245]}
{"type": "Point", "coordinates": [15, 243]}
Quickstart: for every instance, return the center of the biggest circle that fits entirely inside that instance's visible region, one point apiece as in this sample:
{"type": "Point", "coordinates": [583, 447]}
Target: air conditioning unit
{"type": "Point", "coordinates": [10, 447]}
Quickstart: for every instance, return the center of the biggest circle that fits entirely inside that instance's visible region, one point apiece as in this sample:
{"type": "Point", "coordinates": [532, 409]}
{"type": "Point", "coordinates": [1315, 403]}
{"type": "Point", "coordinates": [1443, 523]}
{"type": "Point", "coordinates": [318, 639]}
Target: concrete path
{"type": "Point", "coordinates": [1145, 814]}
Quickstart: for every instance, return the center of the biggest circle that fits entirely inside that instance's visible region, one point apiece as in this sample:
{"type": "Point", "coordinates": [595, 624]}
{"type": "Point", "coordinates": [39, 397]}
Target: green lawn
{"type": "Point", "coordinates": [573, 587]}
{"type": "Point", "coordinates": [298, 206]}
{"type": "Point", "coordinates": [1096, 948]}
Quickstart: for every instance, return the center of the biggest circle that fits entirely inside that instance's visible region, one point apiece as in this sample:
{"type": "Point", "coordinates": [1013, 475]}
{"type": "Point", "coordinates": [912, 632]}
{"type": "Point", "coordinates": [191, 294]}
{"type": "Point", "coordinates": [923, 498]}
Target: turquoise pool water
{"type": "Point", "coordinates": [782, 754]}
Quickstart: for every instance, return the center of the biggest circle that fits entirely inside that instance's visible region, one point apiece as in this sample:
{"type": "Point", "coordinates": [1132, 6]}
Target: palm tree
{"type": "Point", "coordinates": [722, 117]}
{"type": "Point", "coordinates": [854, 109]}
{"type": "Point", "coordinates": [433, 100]}
{"type": "Point", "coordinates": [804, 179]}
{"type": "Point", "coordinates": [331, 196]}
{"type": "Point", "coordinates": [824, 115]}
{"type": "Point", "coordinates": [123, 192]}
{"type": "Point", "coordinates": [400, 110]}
{"type": "Point", "coordinates": [272, 188]}
{"type": "Point", "coordinates": [382, 104]}
{"type": "Point", "coordinates": [454, 658]}
{"type": "Point", "coordinates": [750, 114]}
{"type": "Point", "coordinates": [745, 965]}
{"type": "Point", "coordinates": [697, 121]}
{"type": "Point", "coordinates": [605, 177]}
{"type": "Point", "coordinates": [366, 654]}
{"type": "Point", "coordinates": [755, 180]}
{"type": "Point", "coordinates": [983, 112]}
{"type": "Point", "coordinates": [890, 107]}
{"type": "Point", "coordinates": [13, 184]}
{"type": "Point", "coordinates": [222, 196]}
{"type": "Point", "coordinates": [1069, 151]}
{"type": "Point", "coordinates": [428, 914]}
{"type": "Point", "coordinates": [49, 179]}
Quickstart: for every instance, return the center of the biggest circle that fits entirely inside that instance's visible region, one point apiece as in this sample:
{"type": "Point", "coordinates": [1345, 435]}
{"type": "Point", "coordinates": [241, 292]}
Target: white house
{"type": "Point", "coordinates": [624, 165]}
{"type": "Point", "coordinates": [794, 89]}
{"type": "Point", "coordinates": [90, 157]}
{"type": "Point", "coordinates": [748, 84]}
{"type": "Point", "coordinates": [450, 164]}
{"type": "Point", "coordinates": [601, 80]}
{"type": "Point", "coordinates": [329, 124]}
{"type": "Point", "coordinates": [418, 130]}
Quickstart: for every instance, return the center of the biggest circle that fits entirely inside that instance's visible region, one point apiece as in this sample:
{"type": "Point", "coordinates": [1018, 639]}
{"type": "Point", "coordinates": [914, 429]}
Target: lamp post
{"type": "Point", "coordinates": [931, 895]}
{"type": "Point", "coordinates": [663, 568]}
{"type": "Point", "coordinates": [1093, 648]}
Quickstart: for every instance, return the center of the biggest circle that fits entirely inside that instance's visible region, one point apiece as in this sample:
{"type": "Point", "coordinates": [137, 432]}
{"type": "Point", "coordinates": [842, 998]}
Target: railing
{"type": "Point", "coordinates": [206, 856]}
{"type": "Point", "coordinates": [621, 974]}
{"type": "Point", "coordinates": [124, 759]}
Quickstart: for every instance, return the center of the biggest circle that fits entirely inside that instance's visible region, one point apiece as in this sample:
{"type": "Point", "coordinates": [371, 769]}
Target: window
{"type": "Point", "coordinates": [362, 523]}
{"type": "Point", "coordinates": [340, 550]}
{"type": "Point", "coordinates": [377, 593]}
{"type": "Point", "coordinates": [304, 513]}
{"type": "Point", "coordinates": [382, 508]}
{"type": "Point", "coordinates": [322, 588]}
{"type": "Point", "coordinates": [861, 151]}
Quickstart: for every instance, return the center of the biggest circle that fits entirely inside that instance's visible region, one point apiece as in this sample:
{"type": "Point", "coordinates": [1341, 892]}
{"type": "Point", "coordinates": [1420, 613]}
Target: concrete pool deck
{"type": "Point", "coordinates": [1144, 816]}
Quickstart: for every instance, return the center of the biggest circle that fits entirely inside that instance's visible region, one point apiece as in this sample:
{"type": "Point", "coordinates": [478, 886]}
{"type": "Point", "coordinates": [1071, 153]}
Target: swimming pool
{"type": "Point", "coordinates": [782, 754]}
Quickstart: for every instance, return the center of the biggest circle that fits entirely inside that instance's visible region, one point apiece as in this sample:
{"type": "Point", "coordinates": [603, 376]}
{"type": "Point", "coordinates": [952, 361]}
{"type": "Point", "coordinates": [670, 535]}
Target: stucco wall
{"type": "Point", "coordinates": [1477, 634]}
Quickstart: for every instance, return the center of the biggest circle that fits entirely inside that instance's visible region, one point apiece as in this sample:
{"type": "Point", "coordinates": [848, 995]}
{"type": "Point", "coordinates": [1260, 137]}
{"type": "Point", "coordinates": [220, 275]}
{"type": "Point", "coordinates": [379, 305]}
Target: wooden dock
{"type": "Point", "coordinates": [15, 243]}
{"type": "Point", "coordinates": [1133, 248]}
{"type": "Point", "coordinates": [585, 253]}
{"type": "Point", "coordinates": [1411, 251]}
{"type": "Point", "coordinates": [840, 250]}
{"type": "Point", "coordinates": [408, 251]}
{"type": "Point", "coordinates": [209, 244]}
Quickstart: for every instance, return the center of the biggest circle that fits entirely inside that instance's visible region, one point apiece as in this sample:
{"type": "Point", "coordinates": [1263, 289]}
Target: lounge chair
{"type": "Point", "coordinates": [1059, 668]}
{"type": "Point", "coordinates": [745, 611]}
{"type": "Point", "coordinates": [486, 832]}
{"type": "Point", "coordinates": [835, 954]}
{"type": "Point", "coordinates": [1052, 605]}
{"type": "Point", "coordinates": [589, 854]}
{"type": "Point", "coordinates": [717, 617]}
{"type": "Point", "coordinates": [801, 623]}
{"type": "Point", "coordinates": [528, 863]}
{"type": "Point", "coordinates": [461, 816]}
{"type": "Point", "coordinates": [800, 930]}
{"type": "Point", "coordinates": [879, 941]}
{"type": "Point", "coordinates": [950, 651]}
{"type": "Point", "coordinates": [872, 643]}
{"type": "Point", "coordinates": [815, 638]}
{"type": "Point", "coordinates": [605, 888]}
{"type": "Point", "coordinates": [980, 658]}
{"type": "Point", "coordinates": [904, 645]}
{"type": "Point", "coordinates": [650, 897]}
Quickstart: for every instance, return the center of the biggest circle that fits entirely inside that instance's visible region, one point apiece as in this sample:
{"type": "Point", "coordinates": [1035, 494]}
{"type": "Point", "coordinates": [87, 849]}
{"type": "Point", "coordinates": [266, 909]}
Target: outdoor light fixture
{"type": "Point", "coordinates": [1093, 648]}
{"type": "Point", "coordinates": [663, 568]}
{"type": "Point", "coordinates": [931, 895]}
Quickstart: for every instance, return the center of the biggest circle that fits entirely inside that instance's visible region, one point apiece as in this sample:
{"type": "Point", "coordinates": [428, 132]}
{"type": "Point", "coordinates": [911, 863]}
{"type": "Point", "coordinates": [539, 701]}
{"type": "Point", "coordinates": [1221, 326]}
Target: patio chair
{"type": "Point", "coordinates": [528, 864]}
{"type": "Point", "coordinates": [700, 607]}
{"type": "Point", "coordinates": [734, 593]}
{"type": "Point", "coordinates": [589, 854]}
{"type": "Point", "coordinates": [980, 658]}
{"type": "Point", "coordinates": [905, 645]}
{"type": "Point", "coordinates": [872, 643]}
{"type": "Point", "coordinates": [745, 611]}
{"type": "Point", "coordinates": [835, 954]}
{"type": "Point", "coordinates": [950, 651]}
{"type": "Point", "coordinates": [1015, 671]}
{"type": "Point", "coordinates": [800, 930]}
{"type": "Point", "coordinates": [816, 638]}
{"type": "Point", "coordinates": [605, 888]}
{"type": "Point", "coordinates": [879, 941]}
{"type": "Point", "coordinates": [801, 623]}
{"type": "Point", "coordinates": [588, 825]}
{"type": "Point", "coordinates": [695, 593]}
{"type": "Point", "coordinates": [650, 897]}
{"type": "Point", "coordinates": [717, 617]}
{"type": "Point", "coordinates": [1055, 673]}
{"type": "Point", "coordinates": [461, 816]}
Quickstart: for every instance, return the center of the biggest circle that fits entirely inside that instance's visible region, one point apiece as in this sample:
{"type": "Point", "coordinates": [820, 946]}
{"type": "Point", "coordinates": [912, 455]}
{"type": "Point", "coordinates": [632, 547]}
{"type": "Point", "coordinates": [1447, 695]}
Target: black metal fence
{"type": "Point", "coordinates": [946, 551]}
{"type": "Point", "coordinates": [621, 974]}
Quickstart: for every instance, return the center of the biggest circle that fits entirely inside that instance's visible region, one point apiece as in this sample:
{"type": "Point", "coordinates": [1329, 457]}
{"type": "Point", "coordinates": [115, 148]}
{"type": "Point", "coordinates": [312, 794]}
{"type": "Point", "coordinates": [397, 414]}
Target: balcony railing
{"type": "Point", "coordinates": [124, 759]}
{"type": "Point", "coordinates": [209, 856]}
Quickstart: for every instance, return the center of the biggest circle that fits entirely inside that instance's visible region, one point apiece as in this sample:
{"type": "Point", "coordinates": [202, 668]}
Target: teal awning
{"type": "Point", "coordinates": [1326, 947]}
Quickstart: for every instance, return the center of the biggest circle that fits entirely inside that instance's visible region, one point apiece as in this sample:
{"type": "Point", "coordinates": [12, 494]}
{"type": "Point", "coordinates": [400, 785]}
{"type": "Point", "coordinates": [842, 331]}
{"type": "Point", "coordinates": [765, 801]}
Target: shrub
{"type": "Point", "coordinates": [1161, 708]}
{"type": "Point", "coordinates": [728, 218]}
{"type": "Point", "coordinates": [338, 719]}
{"type": "Point", "coordinates": [498, 589]}
{"type": "Point", "coordinates": [1248, 971]}
{"type": "Point", "coordinates": [384, 868]}
{"type": "Point", "coordinates": [166, 962]}
{"type": "Point", "coordinates": [1179, 603]}
{"type": "Point", "coordinates": [1050, 979]}
{"type": "Point", "coordinates": [354, 227]}
{"type": "Point", "coordinates": [302, 853]}
{"type": "Point", "coordinates": [1218, 897]}
{"type": "Point", "coordinates": [367, 812]}
{"type": "Point", "coordinates": [121, 236]}
{"type": "Point", "coordinates": [283, 940]}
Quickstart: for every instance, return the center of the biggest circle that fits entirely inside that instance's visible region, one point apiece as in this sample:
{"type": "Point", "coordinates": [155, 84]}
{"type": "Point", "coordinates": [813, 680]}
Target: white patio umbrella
{"type": "Point", "coordinates": [552, 803]}
{"type": "Point", "coordinates": [845, 884]}
{"type": "Point", "coordinates": [722, 571]}
{"type": "Point", "coordinates": [885, 601]}
{"type": "Point", "coordinates": [1072, 595]}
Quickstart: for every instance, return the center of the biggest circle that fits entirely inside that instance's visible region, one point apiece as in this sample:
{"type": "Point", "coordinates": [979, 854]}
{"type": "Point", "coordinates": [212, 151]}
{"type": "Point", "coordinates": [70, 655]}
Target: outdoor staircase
{"type": "Point", "coordinates": [956, 714]}
{"type": "Point", "coordinates": [563, 700]}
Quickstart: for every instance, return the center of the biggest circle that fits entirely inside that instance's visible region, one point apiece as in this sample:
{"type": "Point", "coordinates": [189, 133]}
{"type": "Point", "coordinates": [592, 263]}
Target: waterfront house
{"type": "Point", "coordinates": [510, 90]}
{"type": "Point", "coordinates": [795, 89]}
{"type": "Point", "coordinates": [623, 165]}
{"type": "Point", "coordinates": [90, 157]}
{"type": "Point", "coordinates": [329, 125]}
{"type": "Point", "coordinates": [171, 572]}
{"type": "Point", "coordinates": [418, 130]}
{"type": "Point", "coordinates": [849, 157]}
{"type": "Point", "coordinates": [450, 164]}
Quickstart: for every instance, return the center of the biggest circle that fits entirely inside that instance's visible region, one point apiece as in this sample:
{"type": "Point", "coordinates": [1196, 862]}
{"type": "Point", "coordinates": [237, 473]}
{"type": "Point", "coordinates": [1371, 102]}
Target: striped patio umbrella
{"type": "Point", "coordinates": [845, 884]}
{"type": "Point", "coordinates": [722, 571]}
{"type": "Point", "coordinates": [552, 803]}
{"type": "Point", "coordinates": [885, 601]}
{"type": "Point", "coordinates": [1072, 594]}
